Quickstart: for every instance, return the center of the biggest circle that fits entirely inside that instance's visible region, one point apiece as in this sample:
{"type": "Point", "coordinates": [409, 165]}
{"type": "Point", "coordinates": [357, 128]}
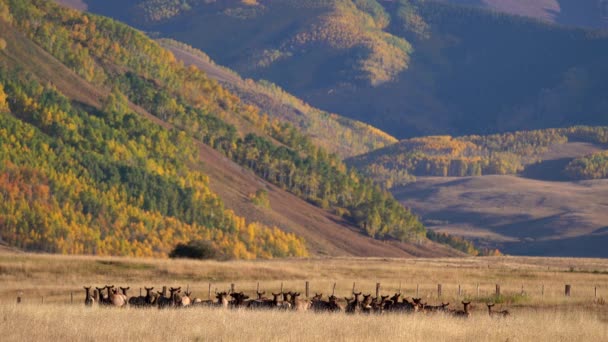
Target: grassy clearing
{"type": "Point", "coordinates": [68, 323]}
{"type": "Point", "coordinates": [55, 277]}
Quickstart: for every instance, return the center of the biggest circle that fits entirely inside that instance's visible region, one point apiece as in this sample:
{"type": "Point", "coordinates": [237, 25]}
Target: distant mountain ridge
{"type": "Point", "coordinates": [409, 67]}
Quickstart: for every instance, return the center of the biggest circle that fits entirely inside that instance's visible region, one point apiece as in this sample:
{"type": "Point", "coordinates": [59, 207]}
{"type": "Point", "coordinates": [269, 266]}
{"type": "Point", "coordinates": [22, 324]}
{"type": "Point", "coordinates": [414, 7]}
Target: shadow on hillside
{"type": "Point", "coordinates": [584, 246]}
{"type": "Point", "coordinates": [547, 170]}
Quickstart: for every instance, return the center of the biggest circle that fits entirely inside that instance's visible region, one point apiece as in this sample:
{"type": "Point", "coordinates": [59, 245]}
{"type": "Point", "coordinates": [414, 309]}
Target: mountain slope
{"type": "Point", "coordinates": [582, 13]}
{"type": "Point", "coordinates": [408, 67]}
{"type": "Point", "coordinates": [337, 134]}
{"type": "Point", "coordinates": [94, 134]}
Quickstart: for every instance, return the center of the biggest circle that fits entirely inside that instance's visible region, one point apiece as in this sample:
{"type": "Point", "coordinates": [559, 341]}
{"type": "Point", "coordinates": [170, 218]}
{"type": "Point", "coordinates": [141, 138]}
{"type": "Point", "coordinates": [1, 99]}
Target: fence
{"type": "Point", "coordinates": [477, 291]}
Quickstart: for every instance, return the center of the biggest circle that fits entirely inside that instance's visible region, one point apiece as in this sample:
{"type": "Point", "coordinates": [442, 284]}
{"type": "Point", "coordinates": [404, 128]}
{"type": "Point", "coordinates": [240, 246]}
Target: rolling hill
{"type": "Point", "coordinates": [409, 67]}
{"type": "Point", "coordinates": [516, 192]}
{"type": "Point", "coordinates": [515, 214]}
{"type": "Point", "coordinates": [581, 13]}
{"type": "Point", "coordinates": [113, 147]}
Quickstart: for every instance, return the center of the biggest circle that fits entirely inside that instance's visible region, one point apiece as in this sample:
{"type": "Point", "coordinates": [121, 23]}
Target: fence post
{"type": "Point", "coordinates": [281, 287]}
{"type": "Point", "coordinates": [497, 290]}
{"type": "Point", "coordinates": [438, 290]}
{"type": "Point", "coordinates": [71, 297]}
{"type": "Point", "coordinates": [595, 292]}
{"type": "Point", "coordinates": [477, 289]}
{"type": "Point", "coordinates": [19, 294]}
{"type": "Point", "coordinates": [232, 288]}
{"type": "Point", "coordinates": [307, 287]}
{"type": "Point", "coordinates": [542, 291]}
{"type": "Point", "coordinates": [567, 290]}
{"type": "Point", "coordinates": [333, 290]}
{"type": "Point", "coordinates": [377, 290]}
{"type": "Point", "coordinates": [459, 291]}
{"type": "Point", "coordinates": [165, 291]}
{"type": "Point", "coordinates": [353, 287]}
{"type": "Point", "coordinates": [257, 288]}
{"type": "Point", "coordinates": [417, 290]}
{"type": "Point", "coordinates": [42, 299]}
{"type": "Point", "coordinates": [96, 295]}
{"type": "Point", "coordinates": [399, 287]}
{"type": "Point", "coordinates": [522, 290]}
{"type": "Point", "coordinates": [140, 291]}
{"type": "Point", "coordinates": [209, 292]}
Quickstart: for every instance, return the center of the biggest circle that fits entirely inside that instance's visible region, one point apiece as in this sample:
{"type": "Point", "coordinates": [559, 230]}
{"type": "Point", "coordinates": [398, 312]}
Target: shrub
{"type": "Point", "coordinates": [199, 249]}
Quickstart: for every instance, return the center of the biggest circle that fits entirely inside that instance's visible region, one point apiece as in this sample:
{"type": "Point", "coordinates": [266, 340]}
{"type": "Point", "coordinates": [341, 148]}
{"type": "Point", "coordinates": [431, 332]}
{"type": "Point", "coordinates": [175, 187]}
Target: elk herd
{"type": "Point", "coordinates": [357, 303]}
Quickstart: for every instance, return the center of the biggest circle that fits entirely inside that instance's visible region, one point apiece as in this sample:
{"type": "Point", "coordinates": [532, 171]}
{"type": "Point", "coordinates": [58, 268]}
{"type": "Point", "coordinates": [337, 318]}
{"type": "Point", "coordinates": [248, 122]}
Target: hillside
{"type": "Point", "coordinates": [515, 214]}
{"type": "Point", "coordinates": [547, 154]}
{"type": "Point", "coordinates": [336, 134]}
{"type": "Point", "coordinates": [104, 154]}
{"type": "Point", "coordinates": [581, 13]}
{"type": "Point", "coordinates": [408, 67]}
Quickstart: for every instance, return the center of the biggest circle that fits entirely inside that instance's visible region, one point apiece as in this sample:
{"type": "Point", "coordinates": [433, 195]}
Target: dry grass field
{"type": "Point", "coordinates": [548, 317]}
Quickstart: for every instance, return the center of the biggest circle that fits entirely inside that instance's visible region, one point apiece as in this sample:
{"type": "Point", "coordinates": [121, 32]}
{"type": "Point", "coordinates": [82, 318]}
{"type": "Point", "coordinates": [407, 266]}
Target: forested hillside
{"type": "Point", "coordinates": [85, 169]}
{"type": "Point", "coordinates": [497, 154]}
{"type": "Point", "coordinates": [408, 67]}
{"type": "Point", "coordinates": [337, 134]}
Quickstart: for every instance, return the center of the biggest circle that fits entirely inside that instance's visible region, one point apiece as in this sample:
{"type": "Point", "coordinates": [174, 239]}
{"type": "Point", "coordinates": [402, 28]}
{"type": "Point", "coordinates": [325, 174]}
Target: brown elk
{"type": "Point", "coordinates": [185, 300]}
{"type": "Point", "coordinates": [353, 304]}
{"type": "Point", "coordinates": [163, 302]}
{"type": "Point", "coordinates": [299, 304]}
{"type": "Point", "coordinates": [318, 304]}
{"type": "Point", "coordinates": [238, 300]}
{"type": "Point", "coordinates": [394, 305]}
{"type": "Point", "coordinates": [141, 301]}
{"type": "Point", "coordinates": [264, 303]}
{"type": "Point", "coordinates": [115, 298]}
{"type": "Point", "coordinates": [103, 299]}
{"type": "Point", "coordinates": [378, 306]}
{"type": "Point", "coordinates": [88, 299]}
{"type": "Point", "coordinates": [366, 304]}
{"type": "Point", "coordinates": [463, 313]}
{"type": "Point", "coordinates": [503, 313]}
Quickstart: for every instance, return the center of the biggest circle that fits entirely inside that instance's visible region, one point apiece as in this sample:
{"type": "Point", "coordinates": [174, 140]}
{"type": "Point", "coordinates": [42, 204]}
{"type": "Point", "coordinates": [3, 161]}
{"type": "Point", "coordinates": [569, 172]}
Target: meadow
{"type": "Point", "coordinates": [52, 298]}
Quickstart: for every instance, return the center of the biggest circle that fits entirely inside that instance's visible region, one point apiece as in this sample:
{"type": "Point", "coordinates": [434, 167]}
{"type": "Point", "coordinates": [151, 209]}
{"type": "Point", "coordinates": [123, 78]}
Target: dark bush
{"type": "Point", "coordinates": [199, 249]}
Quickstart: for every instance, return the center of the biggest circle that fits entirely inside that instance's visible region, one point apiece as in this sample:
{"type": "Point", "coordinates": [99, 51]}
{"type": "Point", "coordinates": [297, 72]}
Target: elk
{"type": "Point", "coordinates": [503, 313]}
{"type": "Point", "coordinates": [394, 305]}
{"type": "Point", "coordinates": [318, 304]}
{"type": "Point", "coordinates": [222, 300]}
{"type": "Point", "coordinates": [353, 304]}
{"type": "Point", "coordinates": [286, 303]}
{"type": "Point", "coordinates": [141, 301]}
{"type": "Point", "coordinates": [264, 303]}
{"type": "Point", "coordinates": [261, 295]}
{"type": "Point", "coordinates": [299, 304]}
{"type": "Point", "coordinates": [117, 299]}
{"type": "Point", "coordinates": [185, 300]}
{"type": "Point", "coordinates": [238, 300]}
{"type": "Point", "coordinates": [378, 307]}
{"type": "Point", "coordinates": [88, 299]}
{"type": "Point", "coordinates": [366, 304]}
{"type": "Point", "coordinates": [164, 302]}
{"type": "Point", "coordinates": [463, 313]}
{"type": "Point", "coordinates": [103, 299]}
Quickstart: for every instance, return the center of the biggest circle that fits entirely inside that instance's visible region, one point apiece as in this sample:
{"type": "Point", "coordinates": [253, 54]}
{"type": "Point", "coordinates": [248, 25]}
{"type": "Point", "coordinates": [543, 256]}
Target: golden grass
{"type": "Point", "coordinates": [69, 323]}
{"type": "Point", "coordinates": [534, 317]}
{"type": "Point", "coordinates": [55, 277]}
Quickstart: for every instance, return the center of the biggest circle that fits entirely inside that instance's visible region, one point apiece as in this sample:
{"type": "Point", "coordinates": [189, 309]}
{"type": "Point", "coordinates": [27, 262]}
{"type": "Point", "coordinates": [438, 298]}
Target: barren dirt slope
{"type": "Point", "coordinates": [517, 215]}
